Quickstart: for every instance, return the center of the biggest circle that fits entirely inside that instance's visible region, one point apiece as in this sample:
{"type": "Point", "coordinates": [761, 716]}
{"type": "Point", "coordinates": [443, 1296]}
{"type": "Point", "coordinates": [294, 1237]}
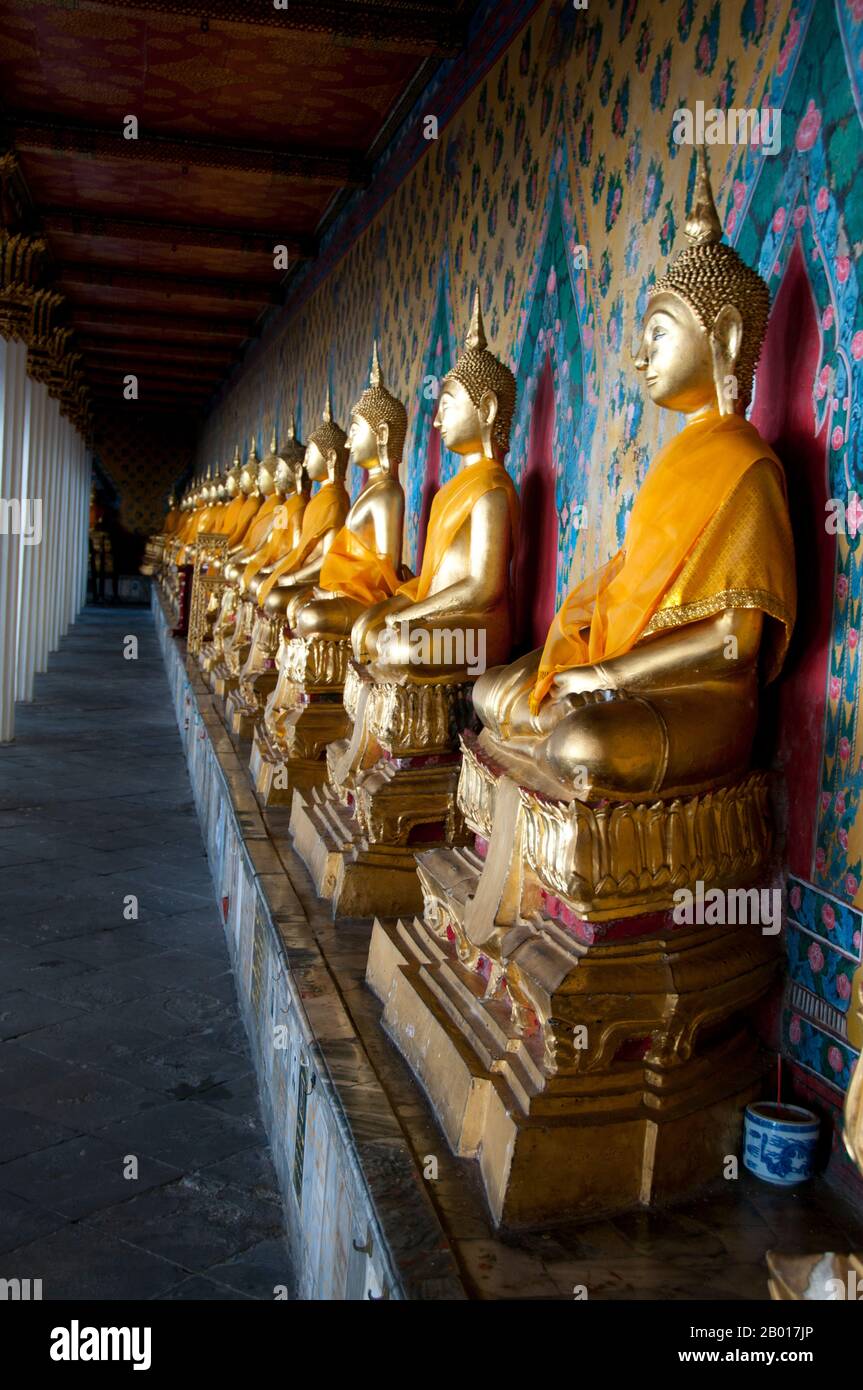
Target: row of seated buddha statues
{"type": "Point", "coordinates": [518, 833]}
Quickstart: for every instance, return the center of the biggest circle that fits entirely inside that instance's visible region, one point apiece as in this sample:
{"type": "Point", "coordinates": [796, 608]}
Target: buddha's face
{"type": "Point", "coordinates": [362, 442]}
{"type": "Point", "coordinates": [461, 423]}
{"type": "Point", "coordinates": [247, 480]}
{"type": "Point", "coordinates": [232, 486]}
{"type": "Point", "coordinates": [266, 480]}
{"type": "Point", "coordinates": [675, 356]}
{"type": "Point", "coordinates": [316, 464]}
{"type": "Point", "coordinates": [282, 477]}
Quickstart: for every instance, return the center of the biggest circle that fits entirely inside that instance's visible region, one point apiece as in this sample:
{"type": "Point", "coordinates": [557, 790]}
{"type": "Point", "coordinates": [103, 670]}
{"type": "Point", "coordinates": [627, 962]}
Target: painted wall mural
{"type": "Point", "coordinates": [555, 185]}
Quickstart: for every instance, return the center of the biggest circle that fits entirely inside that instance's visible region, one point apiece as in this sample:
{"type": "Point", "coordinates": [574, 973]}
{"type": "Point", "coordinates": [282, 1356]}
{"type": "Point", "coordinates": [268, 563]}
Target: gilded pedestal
{"type": "Point", "coordinates": [251, 671]}
{"type": "Point", "coordinates": [588, 1051]}
{"type": "Point", "coordinates": [391, 789]}
{"type": "Point", "coordinates": [303, 714]}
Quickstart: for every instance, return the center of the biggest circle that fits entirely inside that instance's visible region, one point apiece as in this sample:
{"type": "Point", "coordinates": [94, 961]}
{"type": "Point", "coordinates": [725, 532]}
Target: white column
{"type": "Point", "coordinates": [32, 554]}
{"type": "Point", "coordinates": [61, 626]}
{"type": "Point", "coordinates": [84, 526]}
{"type": "Point", "coordinates": [49, 537]}
{"type": "Point", "coordinates": [13, 393]}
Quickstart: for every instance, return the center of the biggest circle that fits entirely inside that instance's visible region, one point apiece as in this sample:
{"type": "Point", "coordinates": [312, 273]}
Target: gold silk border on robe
{"type": "Point", "coordinates": [355, 570]}
{"type": "Point", "coordinates": [450, 509]}
{"type": "Point", "coordinates": [709, 530]}
{"type": "Point", "coordinates": [327, 510]}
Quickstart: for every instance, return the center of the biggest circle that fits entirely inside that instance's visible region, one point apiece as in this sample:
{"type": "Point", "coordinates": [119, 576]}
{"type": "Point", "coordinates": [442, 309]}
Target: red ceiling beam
{"type": "Point", "coordinates": [425, 27]}
{"type": "Point", "coordinates": [73, 222]}
{"type": "Point", "coordinates": [134, 318]}
{"type": "Point", "coordinates": [44, 134]}
{"type": "Point", "coordinates": [136, 281]}
{"type": "Point", "coordinates": [158, 351]}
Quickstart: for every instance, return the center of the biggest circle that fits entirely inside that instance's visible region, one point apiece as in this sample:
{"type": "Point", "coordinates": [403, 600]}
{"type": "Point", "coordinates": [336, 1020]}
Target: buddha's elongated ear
{"type": "Point", "coordinates": [489, 407]}
{"type": "Point", "coordinates": [726, 337]}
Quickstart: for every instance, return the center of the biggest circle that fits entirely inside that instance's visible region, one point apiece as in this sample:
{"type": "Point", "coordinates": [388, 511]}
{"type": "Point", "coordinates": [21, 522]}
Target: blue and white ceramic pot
{"type": "Point", "coordinates": [779, 1142]}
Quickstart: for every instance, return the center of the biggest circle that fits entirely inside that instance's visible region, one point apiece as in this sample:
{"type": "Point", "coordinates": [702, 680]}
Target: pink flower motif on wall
{"type": "Point", "coordinates": [795, 897]}
{"type": "Point", "coordinates": [851, 886]}
{"type": "Point", "coordinates": [820, 858]}
{"type": "Point", "coordinates": [778, 219]}
{"type": "Point", "coordinates": [807, 131]}
{"type": "Point", "coordinates": [844, 749]}
{"type": "Point", "coordinates": [827, 322]}
{"type": "Point", "coordinates": [789, 45]}
{"type": "Point", "coordinates": [856, 939]}
{"type": "Point", "coordinates": [837, 438]}
{"type": "Point", "coordinates": [795, 1030]}
{"type": "Point", "coordinates": [852, 635]}
{"type": "Point", "coordinates": [841, 587]}
{"type": "Point", "coordinates": [828, 916]}
{"type": "Point", "coordinates": [857, 345]}
{"type": "Point", "coordinates": [856, 8]}
{"type": "Point", "coordinates": [822, 199]}
{"type": "Point", "coordinates": [854, 514]}
{"type": "Point", "coordinates": [842, 837]}
{"type": "Point", "coordinates": [835, 690]}
{"type": "Point", "coordinates": [834, 1057]}
{"type": "Point", "coordinates": [840, 803]}
{"type": "Point", "coordinates": [825, 801]}
{"type": "Point", "coordinates": [815, 957]}
{"type": "Point", "coordinates": [843, 986]}
{"type": "Point", "coordinates": [551, 284]}
{"type": "Point", "coordinates": [731, 221]}
{"type": "Point", "coordinates": [843, 269]}
{"type": "Point", "coordinates": [799, 217]}
{"type": "Point", "coordinates": [739, 194]}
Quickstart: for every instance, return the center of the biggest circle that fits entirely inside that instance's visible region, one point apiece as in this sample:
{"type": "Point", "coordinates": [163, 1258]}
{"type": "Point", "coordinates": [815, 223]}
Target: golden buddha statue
{"type": "Point", "coordinates": [464, 580]}
{"type": "Point", "coordinates": [593, 1053]}
{"type": "Point", "coordinates": [293, 487]}
{"type": "Point", "coordinates": [361, 567]}
{"type": "Point", "coordinates": [319, 600]}
{"type": "Point", "coordinates": [271, 531]}
{"type": "Point", "coordinates": [294, 576]}
{"type": "Point", "coordinates": [248, 666]}
{"type": "Point", "coordinates": [648, 682]}
{"type": "Point", "coordinates": [393, 783]}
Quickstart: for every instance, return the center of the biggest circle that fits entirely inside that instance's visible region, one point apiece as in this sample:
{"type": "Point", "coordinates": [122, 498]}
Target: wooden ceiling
{"type": "Point", "coordinates": [255, 121]}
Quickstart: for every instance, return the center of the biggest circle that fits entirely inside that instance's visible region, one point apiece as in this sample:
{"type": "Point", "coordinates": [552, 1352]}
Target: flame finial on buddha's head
{"type": "Point", "coordinates": [379, 406]}
{"type": "Point", "coordinates": [478, 371]}
{"type": "Point", "coordinates": [708, 274]}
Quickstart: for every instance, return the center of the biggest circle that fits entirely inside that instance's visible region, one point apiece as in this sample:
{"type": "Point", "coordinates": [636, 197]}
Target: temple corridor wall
{"type": "Point", "coordinates": [554, 184]}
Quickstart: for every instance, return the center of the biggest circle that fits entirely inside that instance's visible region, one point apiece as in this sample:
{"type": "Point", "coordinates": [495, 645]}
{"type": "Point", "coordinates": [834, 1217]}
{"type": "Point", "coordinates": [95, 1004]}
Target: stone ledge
{"type": "Point", "coordinates": [360, 1221]}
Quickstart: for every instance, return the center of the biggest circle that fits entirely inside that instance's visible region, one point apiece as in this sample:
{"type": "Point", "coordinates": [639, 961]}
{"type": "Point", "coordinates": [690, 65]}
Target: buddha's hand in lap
{"type": "Point", "coordinates": [583, 680]}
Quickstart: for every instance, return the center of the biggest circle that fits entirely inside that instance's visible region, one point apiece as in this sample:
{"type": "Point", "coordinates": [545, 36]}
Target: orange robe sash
{"type": "Point", "coordinates": [327, 510]}
{"type": "Point", "coordinates": [687, 483]}
{"type": "Point", "coordinates": [281, 523]}
{"type": "Point", "coordinates": [450, 509]}
{"type": "Point", "coordinates": [355, 570]}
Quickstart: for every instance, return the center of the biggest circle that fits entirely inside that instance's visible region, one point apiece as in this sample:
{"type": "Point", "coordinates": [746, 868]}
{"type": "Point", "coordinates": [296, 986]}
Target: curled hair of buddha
{"type": "Point", "coordinates": [479, 371]}
{"type": "Point", "coordinates": [329, 436]}
{"type": "Point", "coordinates": [291, 451]}
{"type": "Point", "coordinates": [379, 406]}
{"type": "Point", "coordinates": [708, 274]}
